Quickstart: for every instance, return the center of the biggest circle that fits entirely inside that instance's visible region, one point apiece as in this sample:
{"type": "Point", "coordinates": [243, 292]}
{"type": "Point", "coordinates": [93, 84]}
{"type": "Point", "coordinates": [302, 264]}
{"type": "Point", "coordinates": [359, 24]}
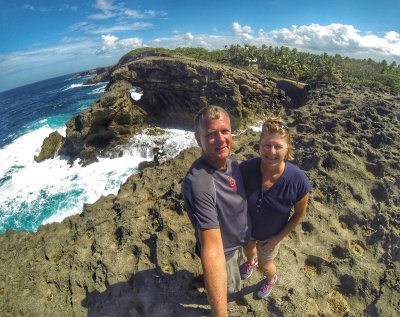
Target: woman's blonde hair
{"type": "Point", "coordinates": [276, 125]}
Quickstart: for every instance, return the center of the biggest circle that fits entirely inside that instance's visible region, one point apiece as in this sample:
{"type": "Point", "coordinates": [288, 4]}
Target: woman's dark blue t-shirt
{"type": "Point", "coordinates": [270, 210]}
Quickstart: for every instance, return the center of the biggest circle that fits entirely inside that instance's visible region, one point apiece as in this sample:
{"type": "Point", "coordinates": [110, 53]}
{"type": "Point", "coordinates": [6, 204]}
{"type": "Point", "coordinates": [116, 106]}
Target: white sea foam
{"type": "Point", "coordinates": [135, 95]}
{"type": "Point", "coordinates": [49, 191]}
{"type": "Point", "coordinates": [168, 141]}
{"type": "Point", "coordinates": [95, 91]}
{"type": "Point", "coordinates": [100, 178]}
{"type": "Point", "coordinates": [100, 89]}
{"type": "Point", "coordinates": [72, 86]}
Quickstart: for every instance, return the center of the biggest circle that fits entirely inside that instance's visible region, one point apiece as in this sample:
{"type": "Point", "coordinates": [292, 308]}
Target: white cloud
{"type": "Point", "coordinates": [80, 26]}
{"type": "Point", "coordinates": [28, 7]}
{"type": "Point", "coordinates": [150, 14]}
{"type": "Point", "coordinates": [68, 7]}
{"type": "Point", "coordinates": [244, 32]}
{"type": "Point", "coordinates": [189, 36]}
{"type": "Point", "coordinates": [108, 10]}
{"type": "Point", "coordinates": [135, 14]}
{"type": "Point", "coordinates": [120, 28]}
{"type": "Point", "coordinates": [188, 39]}
{"type": "Point", "coordinates": [72, 55]}
{"type": "Point", "coordinates": [392, 37]}
{"type": "Point", "coordinates": [89, 28]}
{"type": "Point", "coordinates": [101, 16]}
{"type": "Point", "coordinates": [111, 9]}
{"type": "Point", "coordinates": [334, 38]}
{"type": "Point", "coordinates": [104, 5]}
{"type": "Point", "coordinates": [43, 9]}
{"type": "Point", "coordinates": [111, 43]}
{"type": "Point", "coordinates": [23, 60]}
{"type": "Point", "coordinates": [241, 29]}
{"type": "Point", "coordinates": [120, 19]}
{"type": "Point", "coordinates": [131, 43]}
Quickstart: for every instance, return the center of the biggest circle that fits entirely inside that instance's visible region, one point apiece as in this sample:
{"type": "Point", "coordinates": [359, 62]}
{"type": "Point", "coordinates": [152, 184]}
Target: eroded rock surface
{"type": "Point", "coordinates": [132, 254]}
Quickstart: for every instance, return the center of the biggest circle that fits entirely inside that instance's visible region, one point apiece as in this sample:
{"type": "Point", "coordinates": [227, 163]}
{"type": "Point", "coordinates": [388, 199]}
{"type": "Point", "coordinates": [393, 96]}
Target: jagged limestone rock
{"type": "Point", "coordinates": [109, 121]}
{"type": "Point", "coordinates": [50, 147]}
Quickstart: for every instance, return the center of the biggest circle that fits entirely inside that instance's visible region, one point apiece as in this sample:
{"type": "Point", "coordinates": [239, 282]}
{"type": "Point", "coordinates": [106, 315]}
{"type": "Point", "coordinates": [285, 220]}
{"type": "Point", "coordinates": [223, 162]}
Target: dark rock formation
{"type": "Point", "coordinates": [50, 147]}
{"type": "Point", "coordinates": [101, 75]}
{"type": "Point", "coordinates": [296, 92]}
{"type": "Point", "coordinates": [133, 254]}
{"type": "Point", "coordinates": [175, 88]}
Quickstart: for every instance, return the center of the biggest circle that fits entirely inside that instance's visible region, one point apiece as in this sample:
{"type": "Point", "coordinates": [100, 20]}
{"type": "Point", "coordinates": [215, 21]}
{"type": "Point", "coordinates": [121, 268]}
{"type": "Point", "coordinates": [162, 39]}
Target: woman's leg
{"type": "Point", "coordinates": [266, 265]}
{"type": "Point", "coordinates": [267, 268]}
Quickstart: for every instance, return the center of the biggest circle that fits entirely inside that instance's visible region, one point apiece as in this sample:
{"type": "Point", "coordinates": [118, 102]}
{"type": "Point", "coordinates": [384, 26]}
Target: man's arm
{"type": "Point", "coordinates": [214, 268]}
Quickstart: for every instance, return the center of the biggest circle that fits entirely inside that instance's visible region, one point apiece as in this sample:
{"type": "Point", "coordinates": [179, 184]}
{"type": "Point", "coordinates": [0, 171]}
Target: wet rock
{"type": "Point", "coordinates": [51, 147]}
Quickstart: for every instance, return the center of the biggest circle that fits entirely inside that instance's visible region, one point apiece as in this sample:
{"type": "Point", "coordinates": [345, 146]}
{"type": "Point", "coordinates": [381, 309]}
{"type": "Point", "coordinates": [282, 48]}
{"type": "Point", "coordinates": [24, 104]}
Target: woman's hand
{"type": "Point", "coordinates": [269, 244]}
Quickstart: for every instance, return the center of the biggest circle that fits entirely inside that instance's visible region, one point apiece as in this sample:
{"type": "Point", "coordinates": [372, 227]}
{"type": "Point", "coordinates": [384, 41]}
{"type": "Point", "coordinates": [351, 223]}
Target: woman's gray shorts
{"type": "Point", "coordinates": [267, 255]}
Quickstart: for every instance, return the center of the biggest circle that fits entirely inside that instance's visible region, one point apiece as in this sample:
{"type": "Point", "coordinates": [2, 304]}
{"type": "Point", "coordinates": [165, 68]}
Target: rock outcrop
{"type": "Point", "coordinates": [51, 147]}
{"type": "Point", "coordinates": [174, 89]}
{"type": "Point", "coordinates": [109, 121]}
{"type": "Point", "coordinates": [132, 254]}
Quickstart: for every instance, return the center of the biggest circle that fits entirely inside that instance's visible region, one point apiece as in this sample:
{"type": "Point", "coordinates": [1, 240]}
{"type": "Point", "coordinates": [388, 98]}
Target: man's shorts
{"type": "Point", "coordinates": [233, 274]}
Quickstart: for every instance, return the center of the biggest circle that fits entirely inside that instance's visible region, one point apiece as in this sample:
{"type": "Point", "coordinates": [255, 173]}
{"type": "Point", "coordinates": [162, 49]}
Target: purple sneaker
{"type": "Point", "coordinates": [247, 269]}
{"type": "Point", "coordinates": [266, 289]}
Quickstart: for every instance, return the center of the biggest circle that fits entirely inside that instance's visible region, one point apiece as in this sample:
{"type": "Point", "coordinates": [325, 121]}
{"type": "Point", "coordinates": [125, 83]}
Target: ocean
{"type": "Point", "coordinates": [32, 194]}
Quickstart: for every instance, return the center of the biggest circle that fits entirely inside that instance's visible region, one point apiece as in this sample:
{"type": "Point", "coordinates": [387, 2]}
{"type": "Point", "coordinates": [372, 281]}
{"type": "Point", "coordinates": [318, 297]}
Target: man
{"type": "Point", "coordinates": [216, 204]}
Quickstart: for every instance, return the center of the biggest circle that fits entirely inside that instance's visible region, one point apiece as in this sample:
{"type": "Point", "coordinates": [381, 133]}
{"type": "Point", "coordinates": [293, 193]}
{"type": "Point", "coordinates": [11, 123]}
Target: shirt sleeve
{"type": "Point", "coordinates": [200, 198]}
{"type": "Point", "coordinates": [304, 186]}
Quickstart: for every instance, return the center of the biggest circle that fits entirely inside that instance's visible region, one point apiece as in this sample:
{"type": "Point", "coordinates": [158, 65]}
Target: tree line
{"type": "Point", "coordinates": [283, 62]}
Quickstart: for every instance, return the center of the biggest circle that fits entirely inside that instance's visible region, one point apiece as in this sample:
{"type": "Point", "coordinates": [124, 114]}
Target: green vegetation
{"type": "Point", "coordinates": [291, 63]}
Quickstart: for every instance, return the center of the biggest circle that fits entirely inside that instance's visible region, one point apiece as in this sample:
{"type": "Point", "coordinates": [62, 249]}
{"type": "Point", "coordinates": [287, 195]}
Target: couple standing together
{"type": "Point", "coordinates": [245, 205]}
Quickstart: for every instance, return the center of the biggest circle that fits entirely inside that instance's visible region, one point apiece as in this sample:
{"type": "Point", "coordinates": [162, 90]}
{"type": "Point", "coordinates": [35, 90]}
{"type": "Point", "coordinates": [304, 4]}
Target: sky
{"type": "Point", "coordinates": [41, 39]}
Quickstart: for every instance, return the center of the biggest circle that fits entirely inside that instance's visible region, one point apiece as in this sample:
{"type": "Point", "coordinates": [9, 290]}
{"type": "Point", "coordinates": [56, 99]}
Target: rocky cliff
{"type": "Point", "coordinates": [132, 254]}
{"type": "Point", "coordinates": [174, 89]}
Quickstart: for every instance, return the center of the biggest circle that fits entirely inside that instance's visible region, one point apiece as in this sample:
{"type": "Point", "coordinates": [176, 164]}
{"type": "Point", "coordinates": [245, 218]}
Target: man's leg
{"type": "Point", "coordinates": [250, 252]}
{"type": "Point", "coordinates": [235, 308]}
{"type": "Point", "coordinates": [233, 275]}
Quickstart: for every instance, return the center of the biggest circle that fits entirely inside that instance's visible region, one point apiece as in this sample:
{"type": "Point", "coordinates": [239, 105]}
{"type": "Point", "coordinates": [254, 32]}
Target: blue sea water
{"type": "Point", "coordinates": [34, 193]}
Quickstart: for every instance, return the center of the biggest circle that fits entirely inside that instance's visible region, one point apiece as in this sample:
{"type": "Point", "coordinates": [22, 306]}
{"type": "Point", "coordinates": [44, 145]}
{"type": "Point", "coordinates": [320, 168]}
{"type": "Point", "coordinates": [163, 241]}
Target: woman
{"type": "Point", "coordinates": [274, 186]}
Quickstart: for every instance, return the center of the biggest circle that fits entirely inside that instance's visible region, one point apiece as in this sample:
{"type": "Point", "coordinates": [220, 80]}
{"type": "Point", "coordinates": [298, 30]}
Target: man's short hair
{"type": "Point", "coordinates": [208, 112]}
